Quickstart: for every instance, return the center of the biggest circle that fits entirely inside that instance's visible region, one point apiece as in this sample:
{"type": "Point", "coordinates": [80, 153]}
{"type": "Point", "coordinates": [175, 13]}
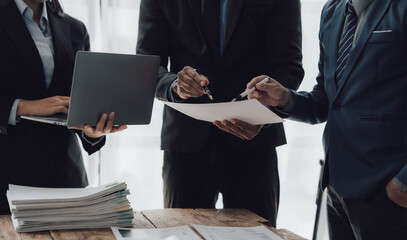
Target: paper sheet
{"type": "Point", "coordinates": [24, 194]}
{"type": "Point", "coordinates": [236, 233]}
{"type": "Point", "coordinates": [250, 111]}
{"type": "Point", "coordinates": [174, 233]}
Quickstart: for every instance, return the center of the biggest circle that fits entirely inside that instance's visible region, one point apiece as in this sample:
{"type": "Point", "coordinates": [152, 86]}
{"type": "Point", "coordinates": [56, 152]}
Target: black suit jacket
{"type": "Point", "coordinates": [262, 37]}
{"type": "Point", "coordinates": [33, 153]}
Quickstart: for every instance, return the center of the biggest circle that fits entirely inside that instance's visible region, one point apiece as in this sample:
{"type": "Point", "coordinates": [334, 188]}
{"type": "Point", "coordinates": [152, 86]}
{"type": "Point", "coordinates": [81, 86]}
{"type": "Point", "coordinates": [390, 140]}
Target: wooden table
{"type": "Point", "coordinates": [160, 218]}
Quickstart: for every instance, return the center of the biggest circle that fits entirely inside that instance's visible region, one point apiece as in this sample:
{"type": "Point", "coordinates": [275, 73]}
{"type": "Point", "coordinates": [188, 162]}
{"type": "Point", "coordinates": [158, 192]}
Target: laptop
{"type": "Point", "coordinates": [109, 82]}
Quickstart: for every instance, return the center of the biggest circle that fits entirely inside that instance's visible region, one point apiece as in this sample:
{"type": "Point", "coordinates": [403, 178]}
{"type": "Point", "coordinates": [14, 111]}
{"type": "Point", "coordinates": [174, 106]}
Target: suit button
{"type": "Point", "coordinates": [336, 107]}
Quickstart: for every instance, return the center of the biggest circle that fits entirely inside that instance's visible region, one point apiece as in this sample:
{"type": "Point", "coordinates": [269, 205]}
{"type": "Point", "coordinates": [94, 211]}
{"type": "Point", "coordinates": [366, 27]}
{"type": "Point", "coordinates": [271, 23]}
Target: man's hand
{"type": "Point", "coordinates": [43, 107]}
{"type": "Point", "coordinates": [272, 93]}
{"type": "Point", "coordinates": [190, 83]}
{"type": "Point", "coordinates": [104, 127]}
{"type": "Point", "coordinates": [397, 195]}
{"type": "Point", "coordinates": [238, 128]}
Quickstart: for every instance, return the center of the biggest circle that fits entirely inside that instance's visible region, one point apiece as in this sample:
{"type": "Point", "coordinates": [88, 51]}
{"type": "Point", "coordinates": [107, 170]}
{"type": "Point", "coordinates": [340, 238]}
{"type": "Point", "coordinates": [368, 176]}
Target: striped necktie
{"type": "Point", "coordinates": [347, 40]}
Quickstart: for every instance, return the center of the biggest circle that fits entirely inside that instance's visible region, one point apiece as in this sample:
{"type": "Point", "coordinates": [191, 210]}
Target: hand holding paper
{"type": "Point", "coordinates": [239, 128]}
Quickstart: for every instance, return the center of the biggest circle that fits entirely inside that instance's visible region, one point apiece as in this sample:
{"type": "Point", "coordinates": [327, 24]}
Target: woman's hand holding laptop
{"type": "Point", "coordinates": [104, 127]}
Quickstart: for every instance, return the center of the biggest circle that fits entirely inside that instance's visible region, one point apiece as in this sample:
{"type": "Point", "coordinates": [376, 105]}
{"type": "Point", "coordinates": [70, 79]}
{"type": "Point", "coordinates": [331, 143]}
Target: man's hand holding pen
{"type": "Point", "coordinates": [191, 84]}
{"type": "Point", "coordinates": [271, 93]}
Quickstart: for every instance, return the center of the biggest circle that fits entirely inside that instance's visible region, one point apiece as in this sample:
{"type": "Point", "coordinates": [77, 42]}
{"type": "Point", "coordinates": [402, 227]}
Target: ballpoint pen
{"type": "Point", "coordinates": [208, 92]}
{"type": "Point", "coordinates": [245, 93]}
{"type": "Point", "coordinates": [206, 89]}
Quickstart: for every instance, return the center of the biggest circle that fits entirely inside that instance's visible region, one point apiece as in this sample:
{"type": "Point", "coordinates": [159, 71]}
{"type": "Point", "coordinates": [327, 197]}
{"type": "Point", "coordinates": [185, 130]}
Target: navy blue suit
{"type": "Point", "coordinates": [365, 138]}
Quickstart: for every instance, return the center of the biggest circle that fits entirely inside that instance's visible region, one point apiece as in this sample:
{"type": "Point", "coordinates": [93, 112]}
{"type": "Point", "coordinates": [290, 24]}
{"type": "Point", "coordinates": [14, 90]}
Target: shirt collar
{"type": "Point", "coordinates": [24, 9]}
{"type": "Point", "coordinates": [360, 6]}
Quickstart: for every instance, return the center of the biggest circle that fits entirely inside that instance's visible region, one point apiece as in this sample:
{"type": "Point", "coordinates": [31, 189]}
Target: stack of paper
{"type": "Point", "coordinates": [38, 209]}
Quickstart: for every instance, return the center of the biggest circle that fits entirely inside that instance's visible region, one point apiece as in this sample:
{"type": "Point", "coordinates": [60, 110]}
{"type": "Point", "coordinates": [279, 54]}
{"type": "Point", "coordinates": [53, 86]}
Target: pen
{"type": "Point", "coordinates": [208, 92]}
{"type": "Point", "coordinates": [245, 93]}
{"type": "Point", "coordinates": [206, 89]}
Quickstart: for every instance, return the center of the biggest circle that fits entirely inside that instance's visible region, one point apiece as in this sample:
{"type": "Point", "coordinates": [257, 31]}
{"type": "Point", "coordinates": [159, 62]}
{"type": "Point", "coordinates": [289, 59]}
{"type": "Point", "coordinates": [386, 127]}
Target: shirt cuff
{"type": "Point", "coordinates": [171, 95]}
{"type": "Point", "coordinates": [401, 178]}
{"type": "Point", "coordinates": [13, 119]}
{"type": "Point", "coordinates": [290, 106]}
{"type": "Point", "coordinates": [401, 185]}
{"type": "Point", "coordinates": [91, 141]}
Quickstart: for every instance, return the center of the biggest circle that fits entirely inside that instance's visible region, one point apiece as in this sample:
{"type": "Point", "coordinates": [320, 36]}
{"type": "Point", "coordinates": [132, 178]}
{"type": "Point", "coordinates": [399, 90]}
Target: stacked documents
{"type": "Point", "coordinates": [38, 209]}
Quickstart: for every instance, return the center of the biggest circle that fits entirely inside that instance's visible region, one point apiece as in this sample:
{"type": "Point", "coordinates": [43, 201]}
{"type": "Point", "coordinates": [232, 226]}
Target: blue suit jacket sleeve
{"type": "Point", "coordinates": [311, 107]}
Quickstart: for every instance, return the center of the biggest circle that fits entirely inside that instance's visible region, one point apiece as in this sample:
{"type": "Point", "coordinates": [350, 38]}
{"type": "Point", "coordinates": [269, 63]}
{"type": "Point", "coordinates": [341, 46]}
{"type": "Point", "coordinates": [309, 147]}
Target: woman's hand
{"type": "Point", "coordinates": [43, 107]}
{"type": "Point", "coordinates": [103, 127]}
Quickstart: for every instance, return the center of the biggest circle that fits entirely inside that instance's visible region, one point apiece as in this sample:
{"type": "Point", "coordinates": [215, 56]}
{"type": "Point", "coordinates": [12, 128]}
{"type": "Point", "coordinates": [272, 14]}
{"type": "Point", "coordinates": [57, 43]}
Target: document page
{"type": "Point", "coordinates": [249, 111]}
{"type": "Point", "coordinates": [29, 195]}
{"type": "Point", "coordinates": [236, 233]}
{"type": "Point", "coordinates": [174, 233]}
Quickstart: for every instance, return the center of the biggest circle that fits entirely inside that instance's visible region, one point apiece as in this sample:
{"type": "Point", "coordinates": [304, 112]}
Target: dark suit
{"type": "Point", "coordinates": [33, 153]}
{"type": "Point", "coordinates": [262, 36]}
{"type": "Point", "coordinates": [366, 114]}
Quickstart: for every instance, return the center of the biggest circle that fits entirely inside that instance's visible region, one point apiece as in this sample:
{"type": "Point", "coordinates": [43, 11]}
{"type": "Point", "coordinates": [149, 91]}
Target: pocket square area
{"type": "Point", "coordinates": [383, 31]}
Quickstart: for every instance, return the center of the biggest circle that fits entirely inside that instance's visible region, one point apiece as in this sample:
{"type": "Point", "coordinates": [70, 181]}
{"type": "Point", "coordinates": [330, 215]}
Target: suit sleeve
{"type": "Point", "coordinates": [86, 37]}
{"type": "Point", "coordinates": [312, 107]}
{"type": "Point", "coordinates": [154, 38]}
{"type": "Point", "coordinates": [6, 102]}
{"type": "Point", "coordinates": [285, 43]}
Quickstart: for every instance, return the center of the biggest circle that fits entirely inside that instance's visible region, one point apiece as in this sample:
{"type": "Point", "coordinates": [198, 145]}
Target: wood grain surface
{"type": "Point", "coordinates": [160, 218]}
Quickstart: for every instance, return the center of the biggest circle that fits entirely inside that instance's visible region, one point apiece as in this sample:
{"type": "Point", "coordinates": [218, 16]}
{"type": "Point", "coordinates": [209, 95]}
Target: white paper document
{"type": "Point", "coordinates": [250, 111]}
{"type": "Point", "coordinates": [30, 195]}
{"type": "Point", "coordinates": [174, 233]}
{"type": "Point", "coordinates": [236, 233]}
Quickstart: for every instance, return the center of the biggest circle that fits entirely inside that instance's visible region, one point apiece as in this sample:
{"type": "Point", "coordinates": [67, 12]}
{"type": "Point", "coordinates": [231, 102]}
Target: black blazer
{"type": "Point", "coordinates": [262, 37]}
{"type": "Point", "coordinates": [33, 153]}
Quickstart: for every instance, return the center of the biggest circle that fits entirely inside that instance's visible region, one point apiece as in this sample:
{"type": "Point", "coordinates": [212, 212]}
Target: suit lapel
{"type": "Point", "coordinates": [235, 9]}
{"type": "Point", "coordinates": [13, 23]}
{"type": "Point", "coordinates": [377, 11]}
{"type": "Point", "coordinates": [61, 35]}
{"type": "Point", "coordinates": [196, 9]}
{"type": "Point", "coordinates": [336, 25]}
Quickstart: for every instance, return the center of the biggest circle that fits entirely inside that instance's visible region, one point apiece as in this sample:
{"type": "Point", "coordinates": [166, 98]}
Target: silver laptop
{"type": "Point", "coordinates": [108, 82]}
